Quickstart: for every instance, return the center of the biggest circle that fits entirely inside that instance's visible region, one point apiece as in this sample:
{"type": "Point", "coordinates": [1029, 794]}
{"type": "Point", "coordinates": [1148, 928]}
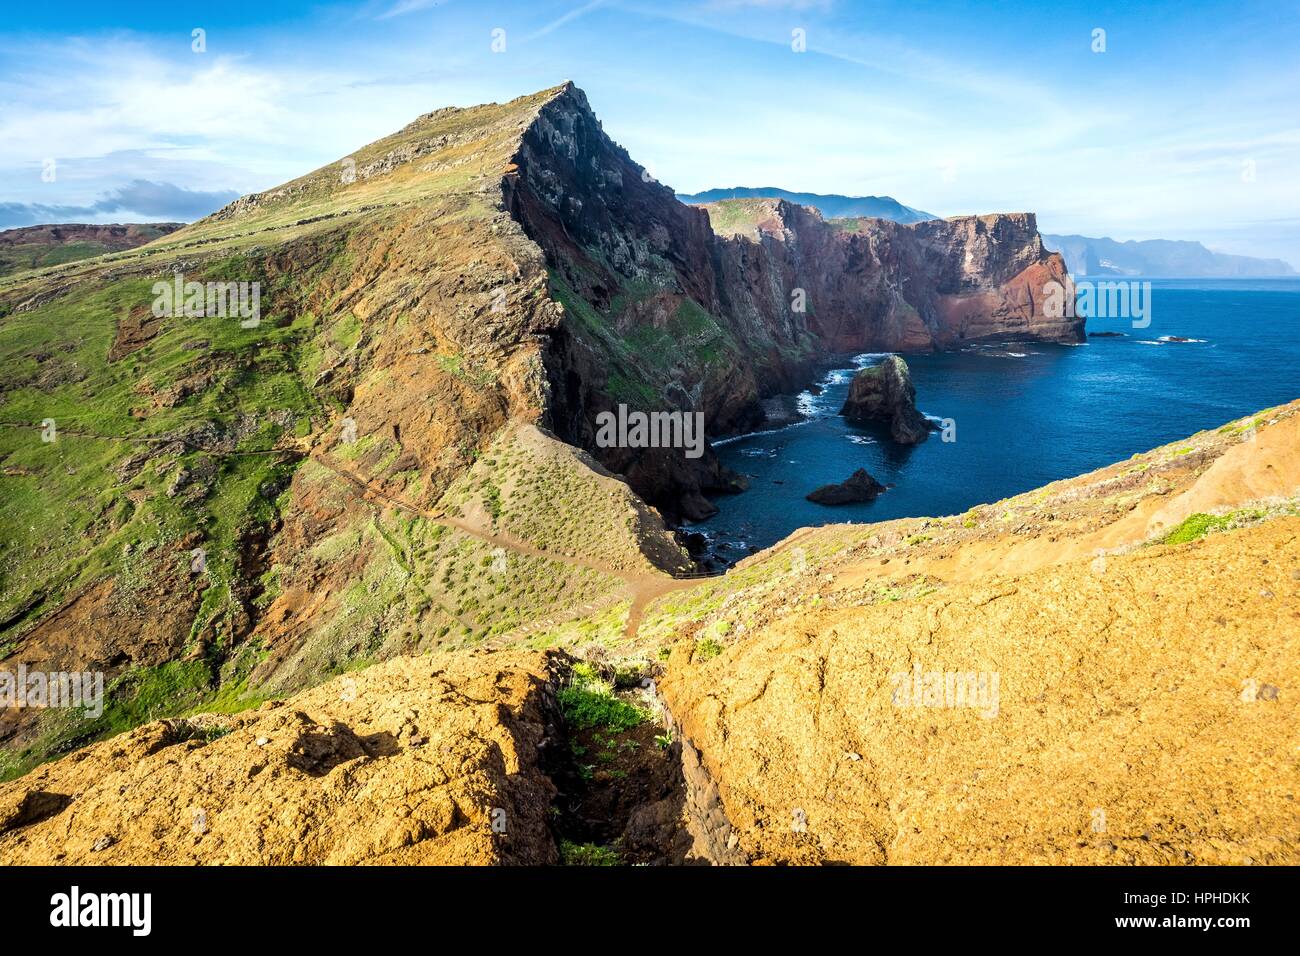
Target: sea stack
{"type": "Point", "coordinates": [884, 394]}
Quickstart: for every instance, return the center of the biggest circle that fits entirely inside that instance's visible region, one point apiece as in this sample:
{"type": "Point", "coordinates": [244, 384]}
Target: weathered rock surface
{"type": "Point", "coordinates": [1122, 730]}
{"type": "Point", "coordinates": [1141, 712]}
{"type": "Point", "coordinates": [884, 394]}
{"type": "Point", "coordinates": [414, 761]}
{"type": "Point", "coordinates": [859, 486]}
{"type": "Point", "coordinates": [1039, 681]}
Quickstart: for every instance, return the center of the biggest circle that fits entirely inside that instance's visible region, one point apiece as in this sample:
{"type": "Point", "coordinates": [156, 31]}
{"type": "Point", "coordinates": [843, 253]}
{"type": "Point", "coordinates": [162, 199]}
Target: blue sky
{"type": "Point", "coordinates": [1187, 126]}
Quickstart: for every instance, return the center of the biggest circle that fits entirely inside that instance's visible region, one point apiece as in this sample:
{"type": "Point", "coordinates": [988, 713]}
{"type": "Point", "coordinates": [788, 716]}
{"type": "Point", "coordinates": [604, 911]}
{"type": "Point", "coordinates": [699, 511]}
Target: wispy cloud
{"type": "Point", "coordinates": [568, 17]}
{"type": "Point", "coordinates": [403, 7]}
{"type": "Point", "coordinates": [945, 108]}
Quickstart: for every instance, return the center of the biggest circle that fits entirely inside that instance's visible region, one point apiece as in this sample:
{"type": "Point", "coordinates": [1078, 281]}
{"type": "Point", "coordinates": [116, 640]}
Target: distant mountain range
{"type": "Point", "coordinates": [831, 207]}
{"type": "Point", "coordinates": [1157, 257]}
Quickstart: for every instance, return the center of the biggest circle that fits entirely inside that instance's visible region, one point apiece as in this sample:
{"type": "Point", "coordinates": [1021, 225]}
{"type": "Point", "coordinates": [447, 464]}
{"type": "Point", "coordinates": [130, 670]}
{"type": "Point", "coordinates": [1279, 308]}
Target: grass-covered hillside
{"type": "Point", "coordinates": [210, 510]}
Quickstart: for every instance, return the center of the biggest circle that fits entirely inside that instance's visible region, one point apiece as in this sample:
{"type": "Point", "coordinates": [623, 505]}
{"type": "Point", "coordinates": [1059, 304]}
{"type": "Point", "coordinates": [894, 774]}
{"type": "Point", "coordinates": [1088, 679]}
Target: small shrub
{"type": "Point", "coordinates": [587, 854]}
{"type": "Point", "coordinates": [707, 648]}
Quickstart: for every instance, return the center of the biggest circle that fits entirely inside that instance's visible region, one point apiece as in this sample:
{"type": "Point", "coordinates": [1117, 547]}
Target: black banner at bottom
{"type": "Point", "coordinates": [146, 905]}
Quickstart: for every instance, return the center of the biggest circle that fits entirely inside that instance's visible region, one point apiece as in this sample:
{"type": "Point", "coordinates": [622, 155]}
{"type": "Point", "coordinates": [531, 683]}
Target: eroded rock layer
{"type": "Point", "coordinates": [431, 760]}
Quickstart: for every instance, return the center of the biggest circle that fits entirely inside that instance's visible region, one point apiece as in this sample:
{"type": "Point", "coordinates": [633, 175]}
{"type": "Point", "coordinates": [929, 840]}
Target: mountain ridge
{"type": "Point", "coordinates": [1084, 255]}
{"type": "Point", "coordinates": [31, 247]}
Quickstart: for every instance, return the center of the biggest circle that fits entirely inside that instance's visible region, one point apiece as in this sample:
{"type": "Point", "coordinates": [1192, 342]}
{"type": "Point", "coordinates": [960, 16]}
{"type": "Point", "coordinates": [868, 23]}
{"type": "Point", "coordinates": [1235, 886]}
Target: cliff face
{"type": "Point", "coordinates": [645, 324]}
{"type": "Point", "coordinates": [877, 285]}
{"type": "Point", "coordinates": [711, 309]}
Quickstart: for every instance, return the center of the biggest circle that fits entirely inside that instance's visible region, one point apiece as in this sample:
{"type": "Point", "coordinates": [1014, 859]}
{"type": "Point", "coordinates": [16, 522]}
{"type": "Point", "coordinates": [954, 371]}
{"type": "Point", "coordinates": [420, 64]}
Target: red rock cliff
{"type": "Point", "coordinates": [769, 289]}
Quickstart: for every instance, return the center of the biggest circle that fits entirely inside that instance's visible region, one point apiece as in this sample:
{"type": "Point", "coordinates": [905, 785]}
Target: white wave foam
{"type": "Point", "coordinates": [808, 404]}
{"type": "Point", "coordinates": [870, 358]}
{"type": "Point", "coordinates": [836, 377]}
{"type": "Point", "coordinates": [766, 431]}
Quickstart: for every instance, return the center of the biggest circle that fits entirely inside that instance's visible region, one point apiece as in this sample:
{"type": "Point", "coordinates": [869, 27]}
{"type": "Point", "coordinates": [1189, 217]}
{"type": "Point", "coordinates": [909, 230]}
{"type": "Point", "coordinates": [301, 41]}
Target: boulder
{"type": "Point", "coordinates": [859, 486]}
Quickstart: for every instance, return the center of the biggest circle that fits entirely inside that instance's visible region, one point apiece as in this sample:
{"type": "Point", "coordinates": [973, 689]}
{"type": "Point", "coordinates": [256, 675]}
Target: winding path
{"type": "Point", "coordinates": [643, 588]}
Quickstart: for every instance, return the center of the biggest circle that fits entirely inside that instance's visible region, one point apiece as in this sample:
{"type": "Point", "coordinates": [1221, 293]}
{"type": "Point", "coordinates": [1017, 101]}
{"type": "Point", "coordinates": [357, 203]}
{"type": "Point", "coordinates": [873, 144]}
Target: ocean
{"type": "Point", "coordinates": [1025, 414]}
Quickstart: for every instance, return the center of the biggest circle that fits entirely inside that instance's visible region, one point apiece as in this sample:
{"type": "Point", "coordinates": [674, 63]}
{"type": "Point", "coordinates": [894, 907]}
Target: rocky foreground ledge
{"type": "Point", "coordinates": [1100, 671]}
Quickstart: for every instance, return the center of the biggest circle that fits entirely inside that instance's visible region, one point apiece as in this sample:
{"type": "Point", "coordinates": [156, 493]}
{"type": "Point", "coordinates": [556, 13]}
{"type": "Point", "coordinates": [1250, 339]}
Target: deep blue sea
{"type": "Point", "coordinates": [1026, 414]}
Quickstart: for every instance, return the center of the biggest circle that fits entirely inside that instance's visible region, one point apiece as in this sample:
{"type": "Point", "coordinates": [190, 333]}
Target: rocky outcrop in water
{"type": "Point", "coordinates": [884, 394]}
{"type": "Point", "coordinates": [858, 487]}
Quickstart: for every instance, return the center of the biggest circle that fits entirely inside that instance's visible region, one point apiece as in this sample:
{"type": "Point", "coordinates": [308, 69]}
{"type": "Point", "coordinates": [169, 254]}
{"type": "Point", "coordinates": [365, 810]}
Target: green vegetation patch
{"type": "Point", "coordinates": [588, 701]}
{"type": "Point", "coordinates": [1194, 527]}
{"type": "Point", "coordinates": [644, 355]}
{"type": "Point", "coordinates": [1197, 526]}
{"type": "Point", "coordinates": [707, 648]}
{"type": "Point", "coordinates": [587, 854]}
